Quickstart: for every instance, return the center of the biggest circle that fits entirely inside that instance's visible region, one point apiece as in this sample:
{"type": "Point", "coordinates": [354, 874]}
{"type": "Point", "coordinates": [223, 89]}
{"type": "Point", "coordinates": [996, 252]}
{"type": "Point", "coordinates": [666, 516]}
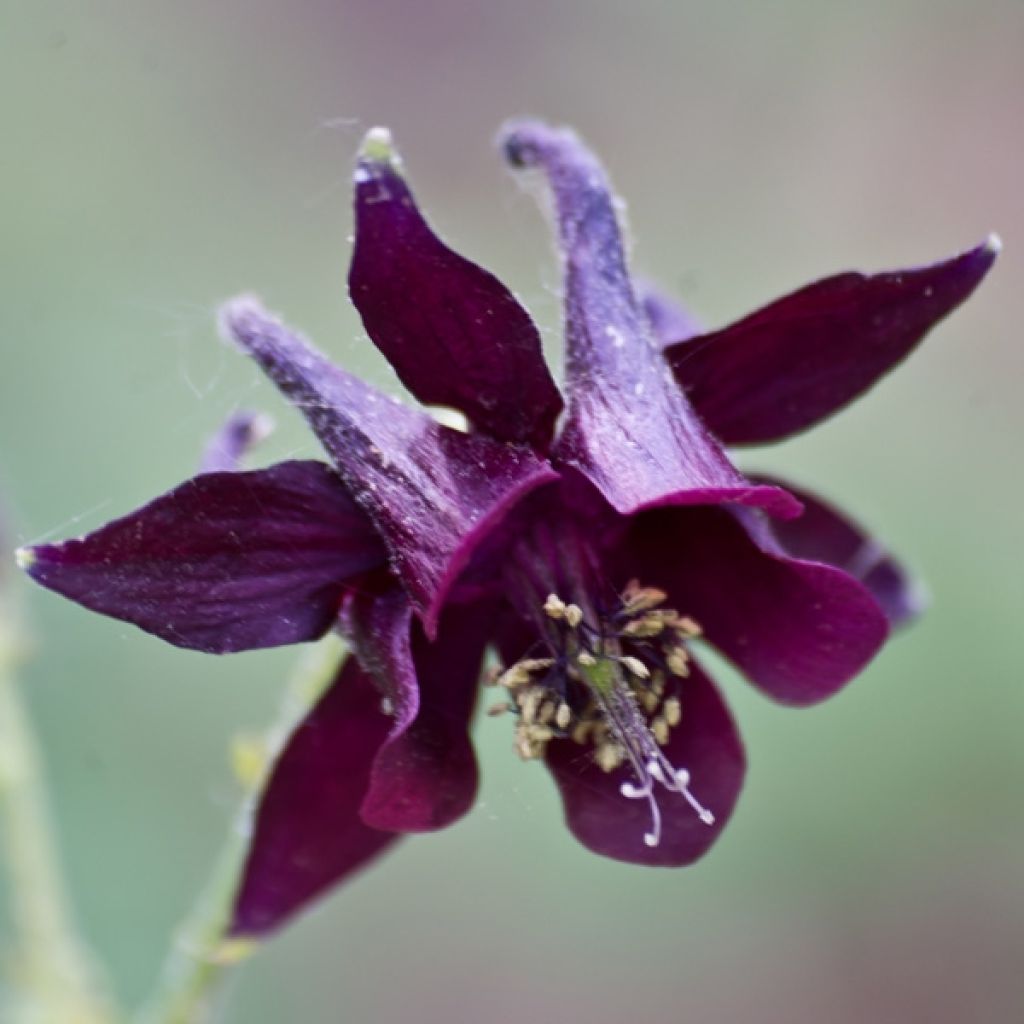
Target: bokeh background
{"type": "Point", "coordinates": [157, 158]}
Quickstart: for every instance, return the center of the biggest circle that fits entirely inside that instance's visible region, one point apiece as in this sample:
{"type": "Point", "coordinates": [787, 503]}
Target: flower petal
{"type": "Point", "coordinates": [431, 492]}
{"type": "Point", "coordinates": [425, 775]}
{"type": "Point", "coordinates": [630, 429]}
{"type": "Point", "coordinates": [824, 534]}
{"type": "Point", "coordinates": [237, 436]}
{"type": "Point", "coordinates": [803, 357]}
{"type": "Point", "coordinates": [225, 562]}
{"type": "Point", "coordinates": [307, 834]}
{"type": "Point", "coordinates": [669, 321]}
{"type": "Point", "coordinates": [705, 743]}
{"type": "Point", "coordinates": [453, 332]}
{"type": "Point", "coordinates": [799, 629]}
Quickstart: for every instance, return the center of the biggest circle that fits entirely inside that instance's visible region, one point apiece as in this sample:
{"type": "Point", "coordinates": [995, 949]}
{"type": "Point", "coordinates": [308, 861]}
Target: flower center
{"type": "Point", "coordinates": [610, 685]}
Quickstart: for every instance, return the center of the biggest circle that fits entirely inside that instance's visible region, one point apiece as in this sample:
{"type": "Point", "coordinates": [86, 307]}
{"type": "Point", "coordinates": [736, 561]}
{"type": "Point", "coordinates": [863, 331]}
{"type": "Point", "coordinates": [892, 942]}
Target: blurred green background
{"type": "Point", "coordinates": [157, 158]}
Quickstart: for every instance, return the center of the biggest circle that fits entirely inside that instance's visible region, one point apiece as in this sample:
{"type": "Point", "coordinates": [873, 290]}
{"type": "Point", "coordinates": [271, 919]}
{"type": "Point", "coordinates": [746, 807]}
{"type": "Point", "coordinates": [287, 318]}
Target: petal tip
{"type": "Point", "coordinates": [993, 244]}
{"type": "Point", "coordinates": [26, 558]}
{"type": "Point", "coordinates": [377, 154]}
{"type": "Point", "coordinates": [234, 315]}
{"type": "Point", "coordinates": [519, 141]}
{"type": "Point", "coordinates": [246, 323]}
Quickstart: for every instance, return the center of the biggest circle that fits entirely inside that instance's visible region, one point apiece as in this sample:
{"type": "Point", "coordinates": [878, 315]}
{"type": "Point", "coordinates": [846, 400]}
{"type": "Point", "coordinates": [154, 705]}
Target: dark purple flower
{"type": "Point", "coordinates": [589, 554]}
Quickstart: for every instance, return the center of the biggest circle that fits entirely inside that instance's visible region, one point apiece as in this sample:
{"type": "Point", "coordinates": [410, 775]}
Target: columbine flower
{"type": "Point", "coordinates": [590, 556]}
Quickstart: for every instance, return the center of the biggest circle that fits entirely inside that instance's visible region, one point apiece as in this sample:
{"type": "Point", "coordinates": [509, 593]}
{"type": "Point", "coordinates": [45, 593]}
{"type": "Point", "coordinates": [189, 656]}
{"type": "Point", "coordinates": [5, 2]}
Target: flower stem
{"type": "Point", "coordinates": [55, 977]}
{"type": "Point", "coordinates": [196, 967]}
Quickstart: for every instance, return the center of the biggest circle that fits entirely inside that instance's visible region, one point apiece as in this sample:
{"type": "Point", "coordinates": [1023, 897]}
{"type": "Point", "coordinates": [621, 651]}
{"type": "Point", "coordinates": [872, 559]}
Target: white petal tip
{"type": "Point", "coordinates": [994, 244]}
{"type": "Point", "coordinates": [25, 557]}
{"type": "Point", "coordinates": [241, 320]}
{"type": "Point", "coordinates": [378, 147]}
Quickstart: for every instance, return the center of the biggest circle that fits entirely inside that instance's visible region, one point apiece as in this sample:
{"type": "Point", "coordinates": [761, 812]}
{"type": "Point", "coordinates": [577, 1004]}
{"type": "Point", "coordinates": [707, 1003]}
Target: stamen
{"type": "Point", "coordinates": [637, 599]}
{"type": "Point", "coordinates": [650, 701]}
{"type": "Point", "coordinates": [678, 662]}
{"type": "Point", "coordinates": [636, 666]}
{"type": "Point", "coordinates": [673, 711]}
{"type": "Point", "coordinates": [610, 685]}
{"type": "Point", "coordinates": [563, 716]}
{"type": "Point", "coordinates": [659, 728]}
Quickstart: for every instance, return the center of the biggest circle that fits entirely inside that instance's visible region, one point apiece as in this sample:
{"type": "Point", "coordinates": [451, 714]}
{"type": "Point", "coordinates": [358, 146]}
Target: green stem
{"type": "Point", "coordinates": [197, 964]}
{"type": "Point", "coordinates": [55, 977]}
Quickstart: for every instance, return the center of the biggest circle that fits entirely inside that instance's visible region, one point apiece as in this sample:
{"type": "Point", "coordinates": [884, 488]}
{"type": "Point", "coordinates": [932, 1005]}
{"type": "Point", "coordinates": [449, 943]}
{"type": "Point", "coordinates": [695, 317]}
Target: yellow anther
{"type": "Point", "coordinates": [529, 702]}
{"type": "Point", "coordinates": [650, 701]}
{"type": "Point", "coordinates": [586, 659]}
{"type": "Point", "coordinates": [581, 732]}
{"type": "Point", "coordinates": [641, 599]}
{"type": "Point", "coordinates": [678, 662]}
{"type": "Point", "coordinates": [636, 666]}
{"type": "Point", "coordinates": [524, 747]}
{"type": "Point", "coordinates": [554, 607]}
{"type": "Point", "coordinates": [546, 713]}
{"type": "Point", "coordinates": [673, 711]}
{"type": "Point", "coordinates": [519, 674]}
{"type": "Point", "coordinates": [659, 729]}
{"type": "Point", "coordinates": [563, 716]}
{"type": "Point", "coordinates": [688, 627]}
{"type": "Point", "coordinates": [539, 733]}
{"type": "Point", "coordinates": [645, 627]}
{"type": "Point", "coordinates": [573, 615]}
{"type": "Point", "coordinates": [513, 677]}
{"type": "Point", "coordinates": [609, 756]}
